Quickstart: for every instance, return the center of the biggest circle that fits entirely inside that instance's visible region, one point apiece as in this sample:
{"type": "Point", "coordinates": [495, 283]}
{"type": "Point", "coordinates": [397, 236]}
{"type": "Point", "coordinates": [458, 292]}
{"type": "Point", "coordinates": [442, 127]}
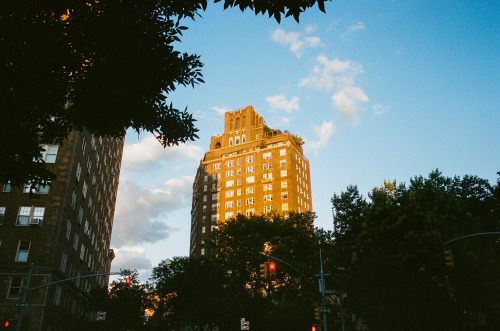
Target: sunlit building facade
{"type": "Point", "coordinates": [249, 169]}
{"type": "Point", "coordinates": [64, 230]}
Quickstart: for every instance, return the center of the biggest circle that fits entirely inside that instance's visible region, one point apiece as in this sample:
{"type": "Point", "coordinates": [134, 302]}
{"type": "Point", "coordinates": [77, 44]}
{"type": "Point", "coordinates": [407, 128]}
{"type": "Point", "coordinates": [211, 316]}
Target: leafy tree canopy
{"type": "Point", "coordinates": [390, 253]}
{"type": "Point", "coordinates": [100, 65]}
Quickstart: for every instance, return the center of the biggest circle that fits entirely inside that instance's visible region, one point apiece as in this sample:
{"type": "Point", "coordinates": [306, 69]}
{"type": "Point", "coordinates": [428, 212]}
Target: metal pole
{"type": "Point", "coordinates": [323, 292]}
{"type": "Point", "coordinates": [25, 298]}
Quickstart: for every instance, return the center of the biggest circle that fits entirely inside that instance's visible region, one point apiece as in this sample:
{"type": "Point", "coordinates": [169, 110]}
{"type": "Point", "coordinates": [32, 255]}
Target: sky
{"type": "Point", "coordinates": [379, 90]}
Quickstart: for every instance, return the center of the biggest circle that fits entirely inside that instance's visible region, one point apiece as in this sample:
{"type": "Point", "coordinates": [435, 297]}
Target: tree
{"type": "Point", "coordinates": [193, 292]}
{"type": "Point", "coordinates": [103, 66]}
{"type": "Point", "coordinates": [124, 304]}
{"type": "Point", "coordinates": [390, 253]}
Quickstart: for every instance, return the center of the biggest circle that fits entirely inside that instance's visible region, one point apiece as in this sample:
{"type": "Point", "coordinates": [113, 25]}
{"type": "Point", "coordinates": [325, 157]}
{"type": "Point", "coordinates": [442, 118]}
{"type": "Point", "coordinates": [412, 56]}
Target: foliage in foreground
{"type": "Point", "coordinates": [223, 287]}
{"type": "Point", "coordinates": [389, 257]}
{"type": "Point", "coordinates": [105, 66]}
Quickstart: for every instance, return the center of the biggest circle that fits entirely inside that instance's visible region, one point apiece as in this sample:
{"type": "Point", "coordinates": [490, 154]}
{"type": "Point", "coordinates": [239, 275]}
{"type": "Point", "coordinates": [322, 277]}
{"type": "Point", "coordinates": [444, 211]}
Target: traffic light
{"type": "Point", "coordinates": [127, 282]}
{"type": "Point", "coordinates": [317, 315]}
{"type": "Point", "coordinates": [272, 269]}
{"type": "Point", "coordinates": [313, 328]}
{"type": "Point", "coordinates": [263, 270]}
{"type": "Point", "coordinates": [448, 256]}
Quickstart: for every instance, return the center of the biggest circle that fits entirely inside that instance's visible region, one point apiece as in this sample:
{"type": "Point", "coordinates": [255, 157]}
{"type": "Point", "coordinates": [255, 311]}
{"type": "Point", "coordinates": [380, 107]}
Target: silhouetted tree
{"type": "Point", "coordinates": [100, 65]}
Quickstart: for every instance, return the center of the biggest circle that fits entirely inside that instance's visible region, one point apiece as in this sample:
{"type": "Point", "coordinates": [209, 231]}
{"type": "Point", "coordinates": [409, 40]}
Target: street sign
{"type": "Point", "coordinates": [23, 305]}
{"type": "Point", "coordinates": [101, 315]}
{"type": "Point", "coordinates": [245, 325]}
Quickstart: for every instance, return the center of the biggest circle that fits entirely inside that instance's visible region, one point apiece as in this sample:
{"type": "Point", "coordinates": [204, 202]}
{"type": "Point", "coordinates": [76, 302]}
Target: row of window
{"type": "Point", "coordinates": [249, 159]}
{"type": "Point", "coordinates": [26, 215]}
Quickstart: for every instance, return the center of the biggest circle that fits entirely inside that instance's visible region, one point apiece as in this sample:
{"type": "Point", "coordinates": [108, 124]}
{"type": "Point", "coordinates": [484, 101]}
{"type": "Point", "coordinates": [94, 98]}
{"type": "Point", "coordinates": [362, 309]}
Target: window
{"type": "Point", "coordinates": [57, 295]}
{"type": "Point", "coordinates": [268, 187]}
{"type": "Point", "coordinates": [238, 181]}
{"type": "Point", "coordinates": [23, 249]}
{"type": "Point", "coordinates": [84, 144]}
{"type": "Point", "coordinates": [28, 213]}
{"type": "Point", "coordinates": [203, 229]}
{"type": "Point", "coordinates": [238, 161]}
{"type": "Point", "coordinates": [15, 286]}
{"type": "Point", "coordinates": [238, 203]}
{"type": "Point", "coordinates": [203, 251]}
{"type": "Point", "coordinates": [284, 195]}
{"type": "Point", "coordinates": [80, 215]}
{"type": "Point", "coordinates": [64, 262]}
{"type": "Point", "coordinates": [229, 194]}
{"type": "Point", "coordinates": [50, 153]}
{"type": "Point", "coordinates": [216, 196]}
{"type": "Point", "coordinates": [203, 219]}
{"type": "Point", "coordinates": [283, 163]}
{"type": "Point", "coordinates": [250, 211]}
{"type": "Point", "coordinates": [73, 200]}
{"type": "Point", "coordinates": [268, 197]}
{"type": "Point", "coordinates": [270, 165]}
{"type": "Point", "coordinates": [68, 229]}
{"type": "Point", "coordinates": [216, 166]}
{"type": "Point", "coordinates": [214, 176]}
{"type": "Point", "coordinates": [266, 156]}
{"type": "Point", "coordinates": [284, 206]}
{"type": "Point", "coordinates": [7, 187]}
{"type": "Point", "coordinates": [282, 152]}
{"type": "Point", "coordinates": [230, 141]}
{"type": "Point", "coordinates": [243, 139]}
{"type": "Point", "coordinates": [214, 217]}
{"type": "Point", "coordinates": [205, 187]}
{"type": "Point", "coordinates": [2, 214]}
{"type": "Point", "coordinates": [84, 189]}
{"type": "Point", "coordinates": [238, 192]}
{"type": "Point", "coordinates": [250, 201]}
{"type": "Point", "coordinates": [229, 214]}
{"type": "Point", "coordinates": [205, 179]}
{"type": "Point", "coordinates": [82, 252]}
{"type": "Point", "coordinates": [204, 198]}
{"type": "Point", "coordinates": [250, 159]}
{"type": "Point", "coordinates": [204, 208]}
{"type": "Point", "coordinates": [89, 165]}
{"type": "Point", "coordinates": [78, 171]}
{"type": "Point", "coordinates": [283, 173]}
{"type": "Point", "coordinates": [250, 169]}
{"type": "Point", "coordinates": [250, 179]}
{"type": "Point", "coordinates": [213, 186]}
{"type": "Point", "coordinates": [284, 184]}
{"type": "Point", "coordinates": [230, 183]}
{"type": "Point", "coordinates": [250, 190]}
{"type": "Point", "coordinates": [237, 140]}
{"type": "Point", "coordinates": [268, 209]}
{"type": "Point", "coordinates": [264, 166]}
{"type": "Point", "coordinates": [230, 163]}
{"type": "Point", "coordinates": [215, 206]}
{"type": "Point", "coordinates": [44, 189]}
{"type": "Point", "coordinates": [238, 172]}
{"type": "Point", "coordinates": [229, 173]}
{"type": "Point", "coordinates": [75, 241]}
{"type": "Point", "coordinates": [229, 204]}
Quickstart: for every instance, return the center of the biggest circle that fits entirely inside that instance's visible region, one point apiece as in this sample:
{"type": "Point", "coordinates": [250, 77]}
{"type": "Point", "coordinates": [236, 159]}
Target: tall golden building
{"type": "Point", "coordinates": [249, 169]}
{"type": "Point", "coordinates": [64, 230]}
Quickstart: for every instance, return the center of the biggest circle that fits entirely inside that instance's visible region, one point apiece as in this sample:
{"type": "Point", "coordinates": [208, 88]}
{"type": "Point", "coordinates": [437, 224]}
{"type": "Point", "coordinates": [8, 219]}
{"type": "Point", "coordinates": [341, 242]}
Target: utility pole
{"type": "Point", "coordinates": [25, 298]}
{"type": "Point", "coordinates": [322, 289]}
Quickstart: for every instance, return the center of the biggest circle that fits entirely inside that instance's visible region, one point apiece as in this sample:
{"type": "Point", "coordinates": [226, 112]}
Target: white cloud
{"type": "Point", "coordinates": [348, 101]}
{"type": "Point", "coordinates": [379, 109]}
{"type": "Point", "coordinates": [221, 110]}
{"type": "Point", "coordinates": [149, 150]}
{"type": "Point", "coordinates": [324, 133]}
{"type": "Point", "coordinates": [141, 213]}
{"type": "Point", "coordinates": [296, 40]}
{"type": "Point", "coordinates": [356, 27]}
{"type": "Point", "coordinates": [280, 102]}
{"type": "Point", "coordinates": [131, 258]}
{"type": "Point", "coordinates": [338, 77]}
{"type": "Point", "coordinates": [310, 28]}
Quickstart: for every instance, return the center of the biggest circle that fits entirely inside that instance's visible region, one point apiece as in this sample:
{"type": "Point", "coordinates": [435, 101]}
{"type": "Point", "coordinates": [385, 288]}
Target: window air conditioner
{"type": "Point", "coordinates": [35, 221]}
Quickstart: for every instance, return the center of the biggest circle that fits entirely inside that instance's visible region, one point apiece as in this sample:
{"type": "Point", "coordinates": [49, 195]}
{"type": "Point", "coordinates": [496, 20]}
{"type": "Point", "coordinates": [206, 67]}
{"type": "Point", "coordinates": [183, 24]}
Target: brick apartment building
{"type": "Point", "coordinates": [249, 169]}
{"type": "Point", "coordinates": [64, 230]}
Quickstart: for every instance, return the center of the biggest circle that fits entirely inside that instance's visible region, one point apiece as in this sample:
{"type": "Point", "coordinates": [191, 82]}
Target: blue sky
{"type": "Point", "coordinates": [378, 89]}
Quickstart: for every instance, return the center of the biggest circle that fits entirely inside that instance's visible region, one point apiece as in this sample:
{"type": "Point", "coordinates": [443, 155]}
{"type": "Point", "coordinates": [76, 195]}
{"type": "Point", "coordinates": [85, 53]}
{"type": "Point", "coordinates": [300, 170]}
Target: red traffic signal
{"type": "Point", "coordinates": [7, 323]}
{"type": "Point", "coordinates": [127, 282]}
